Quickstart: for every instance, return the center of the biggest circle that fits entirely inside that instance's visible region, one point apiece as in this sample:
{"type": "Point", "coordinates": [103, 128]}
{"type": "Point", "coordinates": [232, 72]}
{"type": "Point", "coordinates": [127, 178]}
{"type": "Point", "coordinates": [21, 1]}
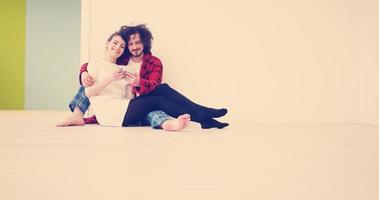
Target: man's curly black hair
{"type": "Point", "coordinates": [145, 35]}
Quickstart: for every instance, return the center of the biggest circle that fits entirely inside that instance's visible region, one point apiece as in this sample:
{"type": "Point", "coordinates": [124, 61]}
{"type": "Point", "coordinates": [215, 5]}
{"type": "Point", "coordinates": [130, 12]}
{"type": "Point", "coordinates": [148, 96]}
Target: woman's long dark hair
{"type": "Point", "coordinates": [124, 55]}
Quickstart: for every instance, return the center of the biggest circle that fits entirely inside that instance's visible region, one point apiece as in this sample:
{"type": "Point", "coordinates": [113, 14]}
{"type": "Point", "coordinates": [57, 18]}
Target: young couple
{"type": "Point", "coordinates": [124, 89]}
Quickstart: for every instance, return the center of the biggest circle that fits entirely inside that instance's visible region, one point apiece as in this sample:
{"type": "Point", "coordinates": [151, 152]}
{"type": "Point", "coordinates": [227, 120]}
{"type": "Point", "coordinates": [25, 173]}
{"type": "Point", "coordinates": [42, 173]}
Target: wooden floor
{"type": "Point", "coordinates": [245, 161]}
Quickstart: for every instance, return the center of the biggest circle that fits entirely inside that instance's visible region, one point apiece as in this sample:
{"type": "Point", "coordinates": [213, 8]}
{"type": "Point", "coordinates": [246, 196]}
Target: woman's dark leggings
{"type": "Point", "coordinates": [164, 98]}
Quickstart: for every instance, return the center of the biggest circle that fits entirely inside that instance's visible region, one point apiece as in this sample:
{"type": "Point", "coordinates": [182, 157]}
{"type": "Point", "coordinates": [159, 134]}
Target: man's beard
{"type": "Point", "coordinates": [136, 54]}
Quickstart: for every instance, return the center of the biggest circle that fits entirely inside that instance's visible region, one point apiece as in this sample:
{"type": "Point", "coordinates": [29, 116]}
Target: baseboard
{"type": "Point", "coordinates": [371, 120]}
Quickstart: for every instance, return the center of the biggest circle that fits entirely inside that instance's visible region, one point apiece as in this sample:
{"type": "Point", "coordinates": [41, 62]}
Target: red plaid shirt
{"type": "Point", "coordinates": [150, 76]}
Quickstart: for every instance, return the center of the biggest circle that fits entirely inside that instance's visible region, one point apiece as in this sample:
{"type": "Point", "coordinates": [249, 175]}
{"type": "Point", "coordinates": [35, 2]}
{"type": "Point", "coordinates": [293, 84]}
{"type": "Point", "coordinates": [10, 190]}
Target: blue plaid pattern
{"type": "Point", "coordinates": [156, 118]}
{"type": "Point", "coordinates": [80, 100]}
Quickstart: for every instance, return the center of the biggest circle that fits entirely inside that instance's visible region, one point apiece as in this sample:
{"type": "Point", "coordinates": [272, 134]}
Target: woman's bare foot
{"type": "Point", "coordinates": [176, 124]}
{"type": "Point", "coordinates": [72, 121]}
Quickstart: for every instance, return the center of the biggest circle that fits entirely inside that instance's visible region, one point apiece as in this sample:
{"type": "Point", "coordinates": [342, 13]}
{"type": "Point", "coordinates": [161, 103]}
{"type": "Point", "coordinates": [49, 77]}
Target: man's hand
{"type": "Point", "coordinates": [87, 79]}
{"type": "Point", "coordinates": [133, 79]}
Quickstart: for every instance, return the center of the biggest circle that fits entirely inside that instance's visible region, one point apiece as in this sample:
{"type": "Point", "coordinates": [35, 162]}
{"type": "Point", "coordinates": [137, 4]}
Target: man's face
{"type": "Point", "coordinates": [135, 45]}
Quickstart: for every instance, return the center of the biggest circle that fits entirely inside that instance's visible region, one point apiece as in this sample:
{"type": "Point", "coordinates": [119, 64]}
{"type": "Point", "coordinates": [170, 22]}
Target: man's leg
{"type": "Point", "coordinates": [160, 120]}
{"type": "Point", "coordinates": [78, 106]}
{"type": "Point", "coordinates": [196, 110]}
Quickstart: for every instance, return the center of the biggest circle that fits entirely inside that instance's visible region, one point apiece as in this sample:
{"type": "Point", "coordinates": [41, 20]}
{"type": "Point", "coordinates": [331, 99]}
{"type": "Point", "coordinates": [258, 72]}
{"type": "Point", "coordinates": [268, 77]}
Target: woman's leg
{"type": "Point", "coordinates": [80, 101]}
{"type": "Point", "coordinates": [160, 120]}
{"type": "Point", "coordinates": [200, 111]}
{"type": "Point", "coordinates": [176, 124]}
{"type": "Point", "coordinates": [75, 119]}
{"type": "Point", "coordinates": [78, 106]}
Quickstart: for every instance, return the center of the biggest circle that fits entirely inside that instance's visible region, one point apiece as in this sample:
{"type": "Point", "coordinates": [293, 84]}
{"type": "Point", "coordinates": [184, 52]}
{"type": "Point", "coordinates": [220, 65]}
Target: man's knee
{"type": "Point", "coordinates": [163, 86]}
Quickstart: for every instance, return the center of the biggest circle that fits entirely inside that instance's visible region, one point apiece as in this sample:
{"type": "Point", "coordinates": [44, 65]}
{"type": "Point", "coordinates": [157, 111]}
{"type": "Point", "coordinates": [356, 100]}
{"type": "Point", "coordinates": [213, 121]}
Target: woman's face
{"type": "Point", "coordinates": [116, 47]}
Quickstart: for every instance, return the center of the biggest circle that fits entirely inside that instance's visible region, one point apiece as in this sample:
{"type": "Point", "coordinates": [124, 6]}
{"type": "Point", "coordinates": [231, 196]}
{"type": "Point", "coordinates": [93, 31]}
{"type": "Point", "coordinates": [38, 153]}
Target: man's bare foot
{"type": "Point", "coordinates": [72, 121]}
{"type": "Point", "coordinates": [176, 124]}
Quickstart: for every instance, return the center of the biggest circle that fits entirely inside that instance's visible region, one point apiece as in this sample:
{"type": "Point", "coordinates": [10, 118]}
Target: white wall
{"type": "Point", "coordinates": [367, 56]}
{"type": "Point", "coordinates": [276, 61]}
